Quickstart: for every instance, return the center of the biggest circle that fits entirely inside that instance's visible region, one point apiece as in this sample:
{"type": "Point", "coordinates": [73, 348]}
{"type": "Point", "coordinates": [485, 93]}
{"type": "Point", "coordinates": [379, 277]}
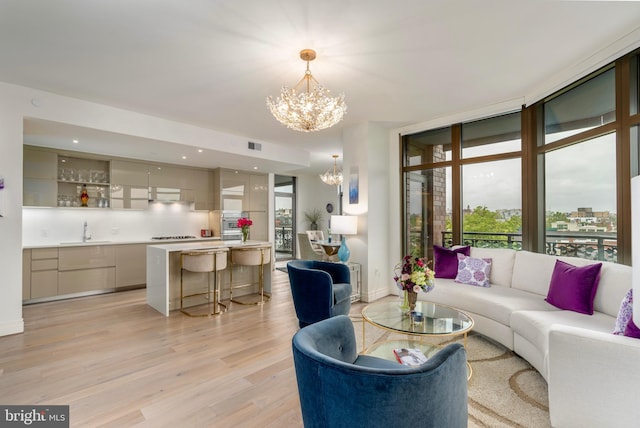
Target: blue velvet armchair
{"type": "Point", "coordinates": [320, 290]}
{"type": "Point", "coordinates": [339, 388]}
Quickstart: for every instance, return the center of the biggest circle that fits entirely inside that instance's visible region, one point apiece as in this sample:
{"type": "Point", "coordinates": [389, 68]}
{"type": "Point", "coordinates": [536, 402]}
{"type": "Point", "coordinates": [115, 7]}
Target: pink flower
{"type": "Point", "coordinates": [244, 222]}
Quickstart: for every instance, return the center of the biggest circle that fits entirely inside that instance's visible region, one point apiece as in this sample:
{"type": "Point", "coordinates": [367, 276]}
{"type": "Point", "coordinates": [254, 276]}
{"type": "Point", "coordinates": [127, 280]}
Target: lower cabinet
{"type": "Point", "coordinates": [78, 281]}
{"type": "Point", "coordinates": [131, 265]}
{"type": "Point", "coordinates": [44, 273]}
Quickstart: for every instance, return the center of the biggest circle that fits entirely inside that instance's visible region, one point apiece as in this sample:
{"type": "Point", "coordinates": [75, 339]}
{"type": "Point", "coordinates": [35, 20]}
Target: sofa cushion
{"type": "Point", "coordinates": [615, 281]}
{"type": "Point", "coordinates": [532, 272]}
{"type": "Point", "coordinates": [502, 263]}
{"type": "Point", "coordinates": [473, 271]}
{"type": "Point", "coordinates": [625, 313]}
{"type": "Point", "coordinates": [496, 303]}
{"type": "Point", "coordinates": [534, 326]}
{"type": "Point", "coordinates": [573, 288]}
{"type": "Point", "coordinates": [445, 262]}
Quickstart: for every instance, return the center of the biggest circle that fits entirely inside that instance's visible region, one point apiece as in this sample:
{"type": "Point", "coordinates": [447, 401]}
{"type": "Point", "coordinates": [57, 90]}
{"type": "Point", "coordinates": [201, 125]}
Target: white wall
{"type": "Point", "coordinates": [11, 221]}
{"type": "Point", "coordinates": [366, 152]}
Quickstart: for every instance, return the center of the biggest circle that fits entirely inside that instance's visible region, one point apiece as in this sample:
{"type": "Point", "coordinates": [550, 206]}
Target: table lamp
{"type": "Point", "coordinates": [344, 225]}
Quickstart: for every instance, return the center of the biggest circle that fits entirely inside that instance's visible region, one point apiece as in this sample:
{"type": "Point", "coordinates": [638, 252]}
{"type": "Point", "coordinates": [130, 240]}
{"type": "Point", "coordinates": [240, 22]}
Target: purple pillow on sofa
{"type": "Point", "coordinates": [445, 261]}
{"type": "Point", "coordinates": [574, 288]}
{"type": "Point", "coordinates": [632, 330]}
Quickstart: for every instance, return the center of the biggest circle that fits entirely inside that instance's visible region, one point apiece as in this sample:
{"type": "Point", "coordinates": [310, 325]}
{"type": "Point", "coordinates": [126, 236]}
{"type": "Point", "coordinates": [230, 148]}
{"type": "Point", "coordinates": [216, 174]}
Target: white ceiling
{"type": "Point", "coordinates": [212, 63]}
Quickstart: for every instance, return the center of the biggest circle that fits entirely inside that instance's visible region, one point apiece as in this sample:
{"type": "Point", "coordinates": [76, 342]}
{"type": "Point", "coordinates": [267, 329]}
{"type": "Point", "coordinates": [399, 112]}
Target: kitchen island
{"type": "Point", "coordinates": [163, 272]}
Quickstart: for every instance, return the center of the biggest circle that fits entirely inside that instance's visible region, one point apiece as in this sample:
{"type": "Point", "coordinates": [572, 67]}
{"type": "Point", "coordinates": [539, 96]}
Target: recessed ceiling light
{"type": "Point", "coordinates": [255, 167]}
{"type": "Point", "coordinates": [184, 157]}
{"type": "Point", "coordinates": [75, 141]}
{"type": "Point", "coordinates": [200, 150]}
{"type": "Point", "coordinates": [63, 160]}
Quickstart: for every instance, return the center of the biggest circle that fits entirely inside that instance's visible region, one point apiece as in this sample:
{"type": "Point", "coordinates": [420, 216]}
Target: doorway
{"type": "Point", "coordinates": [285, 217]}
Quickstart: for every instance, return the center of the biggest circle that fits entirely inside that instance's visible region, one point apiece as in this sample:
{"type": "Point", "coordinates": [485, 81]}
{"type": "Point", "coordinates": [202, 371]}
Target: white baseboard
{"type": "Point", "coordinates": [12, 327]}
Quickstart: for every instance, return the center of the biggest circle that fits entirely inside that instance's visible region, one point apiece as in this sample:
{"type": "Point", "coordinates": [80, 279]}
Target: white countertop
{"type": "Point", "coordinates": [182, 246]}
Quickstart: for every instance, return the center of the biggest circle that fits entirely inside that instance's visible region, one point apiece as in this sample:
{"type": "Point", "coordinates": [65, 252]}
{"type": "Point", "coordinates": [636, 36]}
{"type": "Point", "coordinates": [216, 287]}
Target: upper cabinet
{"type": "Point", "coordinates": [78, 175]}
{"type": "Point", "coordinates": [52, 179]}
{"type": "Point", "coordinates": [129, 184]}
{"type": "Point", "coordinates": [40, 171]}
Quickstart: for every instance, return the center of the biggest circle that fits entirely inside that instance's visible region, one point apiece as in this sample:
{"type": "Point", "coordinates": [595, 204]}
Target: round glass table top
{"type": "Point", "coordinates": [428, 319]}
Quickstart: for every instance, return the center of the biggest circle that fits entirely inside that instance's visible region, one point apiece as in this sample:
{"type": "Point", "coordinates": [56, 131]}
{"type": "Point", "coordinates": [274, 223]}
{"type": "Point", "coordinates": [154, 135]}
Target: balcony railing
{"type": "Point", "coordinates": [284, 239]}
{"type": "Point", "coordinates": [601, 246]}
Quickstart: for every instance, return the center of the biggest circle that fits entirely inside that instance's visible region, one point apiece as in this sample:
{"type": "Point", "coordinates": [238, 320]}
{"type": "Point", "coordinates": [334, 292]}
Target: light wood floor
{"type": "Point", "coordinates": [117, 362]}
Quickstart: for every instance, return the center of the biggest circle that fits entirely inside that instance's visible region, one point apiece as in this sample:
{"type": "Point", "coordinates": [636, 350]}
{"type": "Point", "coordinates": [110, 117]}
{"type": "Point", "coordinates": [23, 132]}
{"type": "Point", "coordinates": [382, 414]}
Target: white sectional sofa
{"type": "Point", "coordinates": [592, 375]}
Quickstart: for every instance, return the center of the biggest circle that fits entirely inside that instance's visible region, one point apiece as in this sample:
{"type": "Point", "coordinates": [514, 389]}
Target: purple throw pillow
{"type": "Point", "coordinates": [574, 288]}
{"type": "Point", "coordinates": [625, 313]}
{"type": "Point", "coordinates": [632, 330]}
{"type": "Point", "coordinates": [445, 261]}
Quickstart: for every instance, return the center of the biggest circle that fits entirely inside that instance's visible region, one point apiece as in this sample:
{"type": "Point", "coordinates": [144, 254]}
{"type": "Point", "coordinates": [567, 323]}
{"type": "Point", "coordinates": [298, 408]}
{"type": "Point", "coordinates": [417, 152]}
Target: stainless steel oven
{"type": "Point", "coordinates": [229, 225]}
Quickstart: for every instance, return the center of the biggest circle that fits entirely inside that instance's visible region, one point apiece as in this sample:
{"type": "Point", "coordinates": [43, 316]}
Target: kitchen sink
{"type": "Point", "coordinates": [91, 241]}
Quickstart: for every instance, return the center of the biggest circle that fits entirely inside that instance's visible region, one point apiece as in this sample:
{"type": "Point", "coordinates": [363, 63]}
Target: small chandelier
{"type": "Point", "coordinates": [332, 177]}
{"type": "Point", "coordinates": [311, 110]}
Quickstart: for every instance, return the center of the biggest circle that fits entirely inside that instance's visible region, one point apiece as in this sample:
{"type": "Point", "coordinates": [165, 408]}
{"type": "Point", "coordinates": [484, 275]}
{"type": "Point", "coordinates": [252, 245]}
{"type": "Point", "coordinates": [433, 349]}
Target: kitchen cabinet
{"type": "Point", "coordinates": [44, 272]}
{"type": "Point", "coordinates": [86, 268]}
{"type": "Point", "coordinates": [86, 280]}
{"type": "Point", "coordinates": [131, 265]}
{"type": "Point", "coordinates": [129, 184]}
{"type": "Point", "coordinates": [75, 174]}
{"type": "Point", "coordinates": [26, 274]}
{"type": "Point", "coordinates": [40, 178]}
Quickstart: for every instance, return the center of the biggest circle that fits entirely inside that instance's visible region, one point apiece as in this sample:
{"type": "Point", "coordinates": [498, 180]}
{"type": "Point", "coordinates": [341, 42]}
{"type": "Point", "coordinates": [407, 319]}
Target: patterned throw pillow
{"type": "Point", "coordinates": [624, 314]}
{"type": "Point", "coordinates": [473, 271]}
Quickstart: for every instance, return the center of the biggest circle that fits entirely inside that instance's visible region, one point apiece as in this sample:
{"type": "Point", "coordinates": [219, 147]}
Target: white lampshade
{"type": "Point", "coordinates": [344, 224]}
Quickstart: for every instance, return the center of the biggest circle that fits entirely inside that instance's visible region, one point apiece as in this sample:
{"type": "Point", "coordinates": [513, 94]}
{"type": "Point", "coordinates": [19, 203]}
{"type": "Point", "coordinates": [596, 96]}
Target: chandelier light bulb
{"type": "Point", "coordinates": [310, 109]}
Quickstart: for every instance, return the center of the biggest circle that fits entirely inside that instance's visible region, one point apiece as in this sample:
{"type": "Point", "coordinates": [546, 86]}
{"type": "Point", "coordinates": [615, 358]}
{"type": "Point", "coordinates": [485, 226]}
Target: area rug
{"type": "Point", "coordinates": [504, 390]}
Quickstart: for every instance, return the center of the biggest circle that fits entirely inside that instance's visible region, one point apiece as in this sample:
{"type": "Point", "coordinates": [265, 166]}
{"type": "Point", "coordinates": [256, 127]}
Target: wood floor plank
{"type": "Point", "coordinates": [117, 362]}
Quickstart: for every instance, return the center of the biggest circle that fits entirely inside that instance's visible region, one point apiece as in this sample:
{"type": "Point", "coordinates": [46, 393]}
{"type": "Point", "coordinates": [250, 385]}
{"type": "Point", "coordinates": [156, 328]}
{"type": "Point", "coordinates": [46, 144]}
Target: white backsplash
{"type": "Point", "coordinates": [44, 226]}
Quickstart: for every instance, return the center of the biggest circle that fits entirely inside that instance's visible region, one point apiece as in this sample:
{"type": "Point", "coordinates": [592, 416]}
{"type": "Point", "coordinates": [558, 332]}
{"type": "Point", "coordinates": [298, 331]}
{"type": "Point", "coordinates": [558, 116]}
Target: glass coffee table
{"type": "Point", "coordinates": [428, 321]}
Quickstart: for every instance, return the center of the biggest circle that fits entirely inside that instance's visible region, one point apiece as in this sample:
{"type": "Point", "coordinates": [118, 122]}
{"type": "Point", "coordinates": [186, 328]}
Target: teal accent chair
{"type": "Point", "coordinates": [339, 388]}
{"type": "Point", "coordinates": [320, 290]}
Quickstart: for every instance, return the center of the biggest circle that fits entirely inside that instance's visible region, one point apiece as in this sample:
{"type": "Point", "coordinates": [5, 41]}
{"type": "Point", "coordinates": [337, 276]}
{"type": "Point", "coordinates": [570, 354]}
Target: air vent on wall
{"type": "Point", "coordinates": [255, 146]}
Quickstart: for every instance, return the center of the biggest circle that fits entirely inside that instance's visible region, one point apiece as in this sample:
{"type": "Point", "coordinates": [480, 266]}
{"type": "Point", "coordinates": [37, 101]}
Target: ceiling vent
{"type": "Point", "coordinates": [255, 146]}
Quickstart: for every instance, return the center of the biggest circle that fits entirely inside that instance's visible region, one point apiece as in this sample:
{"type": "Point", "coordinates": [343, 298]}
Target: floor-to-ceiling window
{"type": "Point", "coordinates": [553, 177]}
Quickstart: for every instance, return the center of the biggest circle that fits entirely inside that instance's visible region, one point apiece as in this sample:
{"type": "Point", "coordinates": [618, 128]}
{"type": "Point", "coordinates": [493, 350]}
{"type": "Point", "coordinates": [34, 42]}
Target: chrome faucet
{"type": "Point", "coordinates": [85, 233]}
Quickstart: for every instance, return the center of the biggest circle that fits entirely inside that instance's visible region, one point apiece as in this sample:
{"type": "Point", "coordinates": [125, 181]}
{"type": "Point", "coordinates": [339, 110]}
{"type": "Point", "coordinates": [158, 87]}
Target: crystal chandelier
{"type": "Point", "coordinates": [311, 110]}
{"type": "Point", "coordinates": [333, 177]}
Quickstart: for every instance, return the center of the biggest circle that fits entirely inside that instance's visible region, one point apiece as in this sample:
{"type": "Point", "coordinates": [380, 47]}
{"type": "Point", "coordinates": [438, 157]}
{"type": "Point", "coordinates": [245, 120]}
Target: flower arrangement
{"type": "Point", "coordinates": [413, 274]}
{"type": "Point", "coordinates": [243, 224]}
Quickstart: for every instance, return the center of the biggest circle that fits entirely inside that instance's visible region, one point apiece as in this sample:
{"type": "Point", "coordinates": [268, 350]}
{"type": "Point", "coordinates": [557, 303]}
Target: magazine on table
{"type": "Point", "coordinates": [410, 356]}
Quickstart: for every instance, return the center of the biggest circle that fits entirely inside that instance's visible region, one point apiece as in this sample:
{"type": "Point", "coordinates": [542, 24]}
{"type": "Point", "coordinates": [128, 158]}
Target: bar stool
{"type": "Point", "coordinates": [200, 261]}
{"type": "Point", "coordinates": [250, 256]}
